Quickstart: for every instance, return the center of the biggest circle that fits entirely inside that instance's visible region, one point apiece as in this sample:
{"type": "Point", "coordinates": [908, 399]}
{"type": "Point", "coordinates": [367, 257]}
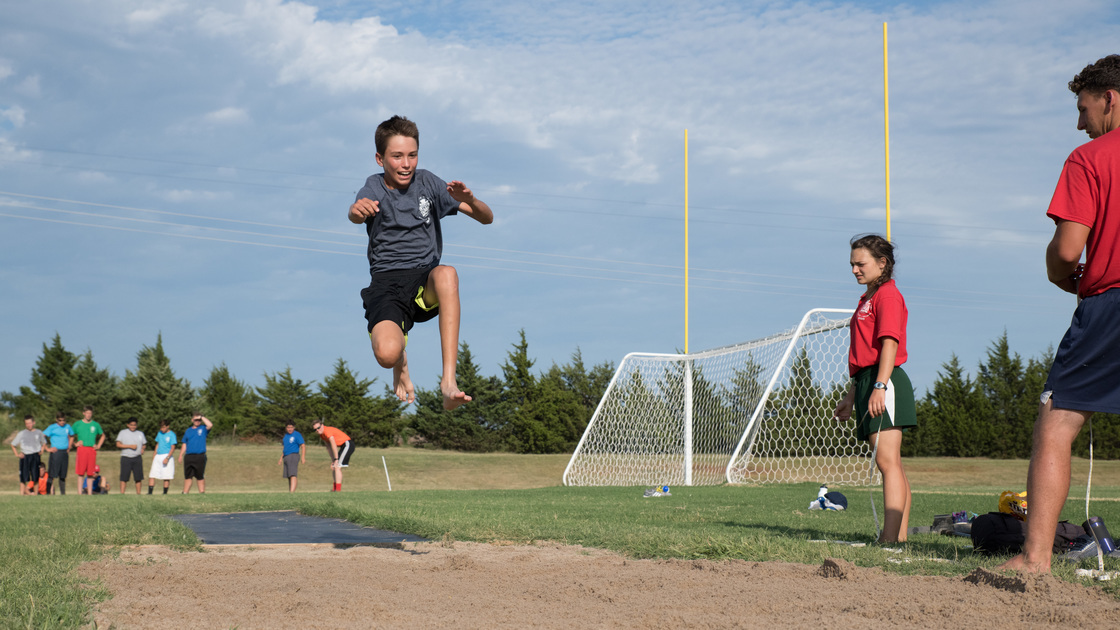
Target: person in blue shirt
{"type": "Point", "coordinates": [193, 455]}
{"type": "Point", "coordinates": [61, 440]}
{"type": "Point", "coordinates": [163, 464]}
{"type": "Point", "coordinates": [294, 454]}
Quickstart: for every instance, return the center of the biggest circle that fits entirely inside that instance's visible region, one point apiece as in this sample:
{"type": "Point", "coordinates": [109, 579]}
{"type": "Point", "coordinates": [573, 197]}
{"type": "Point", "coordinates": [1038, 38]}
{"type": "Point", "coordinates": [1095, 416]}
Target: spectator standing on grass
{"type": "Point", "coordinates": [193, 455]}
{"type": "Point", "coordinates": [294, 454]}
{"type": "Point", "coordinates": [90, 436]}
{"type": "Point", "coordinates": [339, 446]}
{"type": "Point", "coordinates": [1085, 375]}
{"type": "Point", "coordinates": [132, 443]}
{"type": "Point", "coordinates": [60, 436]}
{"type": "Point", "coordinates": [880, 396]}
{"type": "Point", "coordinates": [163, 464]}
{"type": "Point", "coordinates": [26, 445]}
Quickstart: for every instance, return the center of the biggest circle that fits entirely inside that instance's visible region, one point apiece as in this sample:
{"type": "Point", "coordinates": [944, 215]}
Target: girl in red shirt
{"type": "Point", "coordinates": [880, 393]}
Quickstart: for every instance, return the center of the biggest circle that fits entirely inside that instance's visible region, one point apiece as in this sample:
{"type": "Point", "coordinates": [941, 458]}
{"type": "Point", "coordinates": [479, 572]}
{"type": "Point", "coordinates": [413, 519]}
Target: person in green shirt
{"type": "Point", "coordinates": [90, 436]}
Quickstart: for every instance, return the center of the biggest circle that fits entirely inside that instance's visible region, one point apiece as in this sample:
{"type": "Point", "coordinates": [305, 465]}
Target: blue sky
{"type": "Point", "coordinates": [185, 168]}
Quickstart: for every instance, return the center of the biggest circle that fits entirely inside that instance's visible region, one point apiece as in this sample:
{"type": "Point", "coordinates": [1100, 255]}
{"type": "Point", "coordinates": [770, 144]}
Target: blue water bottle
{"type": "Point", "coordinates": [1101, 535]}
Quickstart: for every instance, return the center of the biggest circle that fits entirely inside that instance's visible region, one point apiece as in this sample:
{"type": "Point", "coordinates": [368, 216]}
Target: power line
{"type": "Point", "coordinates": [646, 203]}
{"type": "Point", "coordinates": [351, 233]}
{"type": "Point", "coordinates": [962, 303]}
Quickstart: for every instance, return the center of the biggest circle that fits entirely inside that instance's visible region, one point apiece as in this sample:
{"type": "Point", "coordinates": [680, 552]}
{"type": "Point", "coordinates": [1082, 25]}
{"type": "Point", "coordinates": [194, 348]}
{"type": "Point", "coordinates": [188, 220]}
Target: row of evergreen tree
{"type": "Point", "coordinates": [993, 413]}
{"type": "Point", "coordinates": [520, 411]}
{"type": "Point", "coordinates": [989, 415]}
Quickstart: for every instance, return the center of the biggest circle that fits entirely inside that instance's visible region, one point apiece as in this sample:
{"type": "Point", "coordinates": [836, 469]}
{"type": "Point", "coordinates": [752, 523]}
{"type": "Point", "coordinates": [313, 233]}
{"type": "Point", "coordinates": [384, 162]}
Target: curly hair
{"type": "Point", "coordinates": [1098, 77]}
{"type": "Point", "coordinates": [395, 126]}
{"type": "Point", "coordinates": [878, 247]}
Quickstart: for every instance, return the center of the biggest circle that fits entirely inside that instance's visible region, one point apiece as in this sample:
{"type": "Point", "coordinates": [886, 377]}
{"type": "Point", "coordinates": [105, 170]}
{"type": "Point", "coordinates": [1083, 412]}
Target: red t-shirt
{"type": "Point", "coordinates": [339, 436]}
{"type": "Point", "coordinates": [1084, 195]}
{"type": "Point", "coordinates": [884, 315]}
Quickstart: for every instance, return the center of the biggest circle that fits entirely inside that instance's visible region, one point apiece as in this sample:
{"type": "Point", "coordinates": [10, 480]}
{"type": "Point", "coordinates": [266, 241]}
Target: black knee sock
{"type": "Point", "coordinates": [49, 484]}
{"type": "Point", "coordinates": [165, 489]}
{"type": "Point", "coordinates": [150, 489]}
{"type": "Point", "coordinates": [62, 486]}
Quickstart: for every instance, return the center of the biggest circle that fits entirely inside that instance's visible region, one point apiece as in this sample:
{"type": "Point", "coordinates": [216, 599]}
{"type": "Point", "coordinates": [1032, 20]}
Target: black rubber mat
{"type": "Point", "coordinates": [285, 528]}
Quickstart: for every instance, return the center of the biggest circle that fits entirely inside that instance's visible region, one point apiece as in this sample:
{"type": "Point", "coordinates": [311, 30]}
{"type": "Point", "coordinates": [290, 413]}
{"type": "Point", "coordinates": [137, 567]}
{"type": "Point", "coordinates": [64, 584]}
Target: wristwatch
{"type": "Point", "coordinates": [880, 385]}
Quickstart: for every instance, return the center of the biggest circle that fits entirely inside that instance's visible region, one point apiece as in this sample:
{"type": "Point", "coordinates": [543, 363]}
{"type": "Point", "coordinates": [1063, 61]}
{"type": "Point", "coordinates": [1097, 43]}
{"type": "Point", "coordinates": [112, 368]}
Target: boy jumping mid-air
{"type": "Point", "coordinates": [401, 209]}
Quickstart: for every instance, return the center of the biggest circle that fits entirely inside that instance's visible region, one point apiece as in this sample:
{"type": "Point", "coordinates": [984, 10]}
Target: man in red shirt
{"type": "Point", "coordinates": [339, 446]}
{"type": "Point", "coordinates": [1085, 377]}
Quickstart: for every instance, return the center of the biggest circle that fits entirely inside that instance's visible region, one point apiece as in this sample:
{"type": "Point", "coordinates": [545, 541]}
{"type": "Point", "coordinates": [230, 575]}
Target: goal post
{"type": "Point", "coordinates": [754, 412]}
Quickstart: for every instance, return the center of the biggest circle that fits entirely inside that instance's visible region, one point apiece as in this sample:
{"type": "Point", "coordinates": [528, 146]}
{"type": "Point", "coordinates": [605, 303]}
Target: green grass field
{"type": "Point", "coordinates": [504, 498]}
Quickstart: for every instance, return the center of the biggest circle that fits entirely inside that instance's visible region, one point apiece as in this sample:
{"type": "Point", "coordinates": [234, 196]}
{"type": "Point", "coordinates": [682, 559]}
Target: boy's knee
{"type": "Point", "coordinates": [445, 277]}
{"type": "Point", "coordinates": [387, 354]}
{"type": "Point", "coordinates": [388, 344]}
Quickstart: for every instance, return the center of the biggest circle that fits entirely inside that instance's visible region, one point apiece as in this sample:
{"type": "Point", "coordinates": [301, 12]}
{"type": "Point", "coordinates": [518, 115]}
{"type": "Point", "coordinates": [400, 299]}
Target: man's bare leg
{"type": "Point", "coordinates": [388, 342]}
{"type": "Point", "coordinates": [443, 283]}
{"type": "Point", "coordinates": [187, 485]}
{"type": "Point", "coordinates": [1047, 484]}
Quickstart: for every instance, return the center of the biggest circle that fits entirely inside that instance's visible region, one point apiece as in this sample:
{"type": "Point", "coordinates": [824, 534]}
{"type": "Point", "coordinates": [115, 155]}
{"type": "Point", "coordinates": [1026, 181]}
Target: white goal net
{"type": "Point", "coordinates": [755, 412]}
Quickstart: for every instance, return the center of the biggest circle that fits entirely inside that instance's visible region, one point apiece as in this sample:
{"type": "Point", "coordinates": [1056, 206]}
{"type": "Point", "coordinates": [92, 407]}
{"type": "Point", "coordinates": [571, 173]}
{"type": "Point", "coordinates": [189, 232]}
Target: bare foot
{"type": "Point", "coordinates": [452, 397]}
{"type": "Point", "coordinates": [1020, 563]}
{"type": "Point", "coordinates": [402, 384]}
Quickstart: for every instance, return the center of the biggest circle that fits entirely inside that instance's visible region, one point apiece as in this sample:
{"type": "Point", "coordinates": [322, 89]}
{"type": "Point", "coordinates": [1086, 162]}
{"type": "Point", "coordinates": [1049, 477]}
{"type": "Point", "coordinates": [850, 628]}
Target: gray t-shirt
{"type": "Point", "coordinates": [30, 442]}
{"type": "Point", "coordinates": [131, 437]}
{"type": "Point", "coordinates": [405, 233]}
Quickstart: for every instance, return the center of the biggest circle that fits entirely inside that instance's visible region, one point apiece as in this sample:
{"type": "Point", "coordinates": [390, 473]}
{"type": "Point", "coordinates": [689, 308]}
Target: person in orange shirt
{"type": "Point", "coordinates": [43, 483]}
{"type": "Point", "coordinates": [339, 447]}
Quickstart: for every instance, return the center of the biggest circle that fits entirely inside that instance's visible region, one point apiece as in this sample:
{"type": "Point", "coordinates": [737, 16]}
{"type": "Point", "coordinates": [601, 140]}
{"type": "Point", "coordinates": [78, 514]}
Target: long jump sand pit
{"type": "Point", "coordinates": [473, 585]}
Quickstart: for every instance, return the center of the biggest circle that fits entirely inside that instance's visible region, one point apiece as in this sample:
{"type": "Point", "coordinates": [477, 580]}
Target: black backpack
{"type": "Point", "coordinates": [998, 533]}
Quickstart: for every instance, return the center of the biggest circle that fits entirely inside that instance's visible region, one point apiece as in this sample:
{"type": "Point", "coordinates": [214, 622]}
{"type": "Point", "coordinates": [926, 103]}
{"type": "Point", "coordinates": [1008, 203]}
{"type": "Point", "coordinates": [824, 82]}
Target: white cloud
{"type": "Point", "coordinates": [187, 195]}
{"type": "Point", "coordinates": [14, 115]}
{"type": "Point", "coordinates": [227, 116]}
{"type": "Point", "coordinates": [6, 68]}
{"type": "Point", "coordinates": [29, 87]}
{"type": "Point", "coordinates": [152, 14]}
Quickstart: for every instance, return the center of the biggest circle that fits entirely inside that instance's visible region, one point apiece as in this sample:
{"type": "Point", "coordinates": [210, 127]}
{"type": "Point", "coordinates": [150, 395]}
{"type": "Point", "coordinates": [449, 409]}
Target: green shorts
{"type": "Point", "coordinates": [901, 411]}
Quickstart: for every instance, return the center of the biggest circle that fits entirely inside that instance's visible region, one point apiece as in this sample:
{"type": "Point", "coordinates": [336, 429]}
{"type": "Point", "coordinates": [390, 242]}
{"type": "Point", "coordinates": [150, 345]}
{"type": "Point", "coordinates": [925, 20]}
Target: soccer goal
{"type": "Point", "coordinates": [755, 412]}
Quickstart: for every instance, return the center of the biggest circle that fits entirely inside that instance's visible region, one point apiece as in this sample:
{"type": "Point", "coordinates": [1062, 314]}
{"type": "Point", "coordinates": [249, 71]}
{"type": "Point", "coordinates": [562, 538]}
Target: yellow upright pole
{"type": "Point", "coordinates": [887, 129]}
{"type": "Point", "coordinates": [686, 241]}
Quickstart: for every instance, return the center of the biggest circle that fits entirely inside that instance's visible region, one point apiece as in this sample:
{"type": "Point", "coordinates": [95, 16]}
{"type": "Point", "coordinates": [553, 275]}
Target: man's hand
{"type": "Point", "coordinates": [363, 209]}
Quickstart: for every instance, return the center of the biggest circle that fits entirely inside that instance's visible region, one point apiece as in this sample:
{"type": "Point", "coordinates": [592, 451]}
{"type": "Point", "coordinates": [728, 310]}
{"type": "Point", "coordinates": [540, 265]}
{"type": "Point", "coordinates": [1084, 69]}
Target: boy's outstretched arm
{"type": "Point", "coordinates": [470, 205]}
{"type": "Point", "coordinates": [361, 210]}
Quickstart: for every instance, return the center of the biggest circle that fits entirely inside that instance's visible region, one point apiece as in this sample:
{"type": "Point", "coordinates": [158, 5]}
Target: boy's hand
{"type": "Point", "coordinates": [459, 192]}
{"type": "Point", "coordinates": [363, 209]}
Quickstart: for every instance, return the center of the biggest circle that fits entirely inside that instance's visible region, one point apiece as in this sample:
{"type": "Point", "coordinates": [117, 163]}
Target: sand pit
{"type": "Point", "coordinates": [471, 585]}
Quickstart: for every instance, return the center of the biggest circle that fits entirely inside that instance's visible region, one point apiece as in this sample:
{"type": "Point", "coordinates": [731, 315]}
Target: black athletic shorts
{"type": "Point", "coordinates": [57, 464]}
{"type": "Point", "coordinates": [194, 466]}
{"type": "Point", "coordinates": [344, 451]}
{"type": "Point", "coordinates": [133, 465]}
{"type": "Point", "coordinates": [29, 467]}
{"type": "Point", "coordinates": [397, 296]}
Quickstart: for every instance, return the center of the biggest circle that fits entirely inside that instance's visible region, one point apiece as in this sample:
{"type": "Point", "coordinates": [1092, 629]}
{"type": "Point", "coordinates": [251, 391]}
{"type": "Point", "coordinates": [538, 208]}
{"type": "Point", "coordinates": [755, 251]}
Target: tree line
{"type": "Point", "coordinates": [990, 414]}
{"type": "Point", "coordinates": [520, 411]}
